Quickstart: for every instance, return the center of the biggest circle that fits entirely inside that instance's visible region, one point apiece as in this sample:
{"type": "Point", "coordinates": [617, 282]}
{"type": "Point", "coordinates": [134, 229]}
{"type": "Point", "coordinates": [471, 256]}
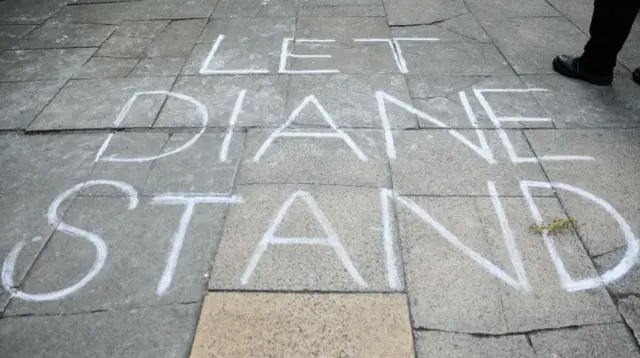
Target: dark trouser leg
{"type": "Point", "coordinates": [610, 26]}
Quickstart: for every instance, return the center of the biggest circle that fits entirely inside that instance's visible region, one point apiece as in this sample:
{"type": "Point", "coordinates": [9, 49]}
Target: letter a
{"type": "Point", "coordinates": [338, 133]}
{"type": "Point", "coordinates": [331, 239]}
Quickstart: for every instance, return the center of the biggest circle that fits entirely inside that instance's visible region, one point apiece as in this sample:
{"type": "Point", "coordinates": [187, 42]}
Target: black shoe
{"type": "Point", "coordinates": [636, 76]}
{"type": "Point", "coordinates": [570, 67]}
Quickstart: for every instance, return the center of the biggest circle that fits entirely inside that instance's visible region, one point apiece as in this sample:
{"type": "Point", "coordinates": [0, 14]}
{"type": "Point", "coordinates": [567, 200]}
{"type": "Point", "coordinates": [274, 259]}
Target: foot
{"type": "Point", "coordinates": [571, 67]}
{"type": "Point", "coordinates": [636, 76]}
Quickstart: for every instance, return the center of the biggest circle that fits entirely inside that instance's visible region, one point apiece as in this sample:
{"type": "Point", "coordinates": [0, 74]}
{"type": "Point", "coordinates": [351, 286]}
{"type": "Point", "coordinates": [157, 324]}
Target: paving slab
{"type": "Point", "coordinates": [608, 177]}
{"type": "Point", "coordinates": [248, 8]}
{"type": "Point", "coordinates": [341, 58]}
{"type": "Point", "coordinates": [627, 284]}
{"type": "Point", "coordinates": [30, 183]}
{"type": "Point", "coordinates": [530, 44]}
{"type": "Point", "coordinates": [197, 169]}
{"type": "Point", "coordinates": [20, 102]}
{"type": "Point", "coordinates": [467, 31]}
{"type": "Point", "coordinates": [110, 13]}
{"type": "Point", "coordinates": [505, 96]}
{"type": "Point", "coordinates": [449, 291]}
{"type": "Point", "coordinates": [42, 65]}
{"type": "Point", "coordinates": [549, 304]}
{"type": "Point", "coordinates": [411, 12]}
{"type": "Point", "coordinates": [137, 270]}
{"type": "Point", "coordinates": [572, 104]}
{"type": "Point", "coordinates": [177, 39]}
{"type": "Point", "coordinates": [341, 11]}
{"type": "Point", "coordinates": [309, 160]}
{"type": "Point", "coordinates": [630, 309]}
{"type": "Point", "coordinates": [169, 9]}
{"type": "Point", "coordinates": [356, 263]}
{"type": "Point", "coordinates": [106, 67]}
{"type": "Point", "coordinates": [160, 332]}
{"type": "Point", "coordinates": [609, 340]}
{"type": "Point", "coordinates": [145, 29]}
{"type": "Point", "coordinates": [28, 11]}
{"type": "Point", "coordinates": [97, 104]}
{"type": "Point", "coordinates": [497, 9]}
{"type": "Point", "coordinates": [11, 34]}
{"type": "Point", "coordinates": [263, 104]}
{"type": "Point", "coordinates": [158, 67]}
{"type": "Point", "coordinates": [125, 145]}
{"type": "Point", "coordinates": [249, 29]}
{"type": "Point", "coordinates": [236, 58]}
{"type": "Point", "coordinates": [460, 170]}
{"type": "Point", "coordinates": [301, 325]}
{"type": "Point", "coordinates": [341, 28]}
{"type": "Point", "coordinates": [578, 12]}
{"type": "Point", "coordinates": [460, 345]}
{"type": "Point", "coordinates": [56, 35]}
{"type": "Point", "coordinates": [440, 58]}
{"type": "Point", "coordinates": [349, 100]}
{"type": "Point", "coordinates": [126, 47]}
{"type": "Point", "coordinates": [341, 2]}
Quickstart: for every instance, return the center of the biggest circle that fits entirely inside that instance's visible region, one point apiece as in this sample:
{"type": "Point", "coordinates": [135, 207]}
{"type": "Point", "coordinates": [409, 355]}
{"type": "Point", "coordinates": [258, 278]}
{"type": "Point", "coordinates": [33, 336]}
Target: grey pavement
{"type": "Point", "coordinates": [314, 178]}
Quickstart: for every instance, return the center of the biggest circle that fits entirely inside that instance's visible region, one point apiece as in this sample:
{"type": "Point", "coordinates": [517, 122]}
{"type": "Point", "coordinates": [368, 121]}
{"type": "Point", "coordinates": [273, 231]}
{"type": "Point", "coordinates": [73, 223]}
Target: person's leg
{"type": "Point", "coordinates": [610, 26]}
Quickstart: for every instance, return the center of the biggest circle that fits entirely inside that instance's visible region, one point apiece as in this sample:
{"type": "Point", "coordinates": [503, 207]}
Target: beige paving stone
{"type": "Point", "coordinates": [303, 325]}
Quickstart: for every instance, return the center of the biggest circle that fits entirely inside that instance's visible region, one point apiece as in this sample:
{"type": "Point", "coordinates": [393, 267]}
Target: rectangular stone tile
{"type": "Point", "coordinates": [56, 35]}
{"type": "Point", "coordinates": [263, 104]}
{"type": "Point", "coordinates": [574, 104]}
{"type": "Point", "coordinates": [466, 25]}
{"type": "Point", "coordinates": [438, 33]}
{"type": "Point", "coordinates": [409, 12]}
{"type": "Point", "coordinates": [447, 290]}
{"type": "Point", "coordinates": [320, 248]}
{"type": "Point", "coordinates": [630, 309]}
{"type": "Point", "coordinates": [341, 28]}
{"type": "Point", "coordinates": [578, 12]}
{"type": "Point", "coordinates": [234, 58]}
{"type": "Point", "coordinates": [459, 345]}
{"type": "Point", "coordinates": [349, 100]}
{"type": "Point", "coordinates": [302, 325]}
{"type": "Point", "coordinates": [110, 13]}
{"type": "Point", "coordinates": [497, 9]}
{"type": "Point", "coordinates": [197, 168]}
{"type": "Point", "coordinates": [28, 11]}
{"type": "Point", "coordinates": [41, 65]}
{"type": "Point", "coordinates": [340, 57]}
{"type": "Point", "coordinates": [507, 98]}
{"type": "Point", "coordinates": [98, 104]}
{"type": "Point", "coordinates": [177, 39]}
{"type": "Point", "coordinates": [36, 170]}
{"type": "Point", "coordinates": [249, 29]}
{"type": "Point", "coordinates": [549, 304]}
{"type": "Point", "coordinates": [20, 102]}
{"type": "Point", "coordinates": [530, 44]}
{"type": "Point", "coordinates": [434, 162]}
{"type": "Point", "coordinates": [118, 46]}
{"type": "Point", "coordinates": [170, 9]}
{"type": "Point", "coordinates": [612, 177]}
{"type": "Point", "coordinates": [248, 8]}
{"type": "Point", "coordinates": [627, 284]}
{"type": "Point", "coordinates": [11, 34]}
{"type": "Point", "coordinates": [610, 340]}
{"type": "Point", "coordinates": [145, 29]}
{"type": "Point", "coordinates": [316, 160]}
{"type": "Point", "coordinates": [629, 54]}
{"type": "Point", "coordinates": [341, 2]}
{"type": "Point", "coordinates": [125, 145]}
{"type": "Point", "coordinates": [459, 259]}
{"type": "Point", "coordinates": [106, 67]}
{"type": "Point", "coordinates": [164, 331]}
{"type": "Point", "coordinates": [158, 67]}
{"type": "Point", "coordinates": [441, 58]}
{"type": "Point", "coordinates": [155, 254]}
{"type": "Point", "coordinates": [342, 10]}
